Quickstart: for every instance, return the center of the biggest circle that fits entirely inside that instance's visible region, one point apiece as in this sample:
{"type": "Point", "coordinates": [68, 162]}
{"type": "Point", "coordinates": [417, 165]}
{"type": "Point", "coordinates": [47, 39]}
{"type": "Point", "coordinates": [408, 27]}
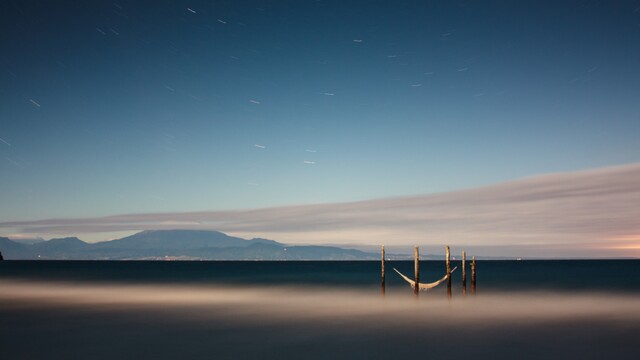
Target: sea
{"type": "Point", "coordinates": [617, 276]}
{"type": "Point", "coordinates": [529, 309]}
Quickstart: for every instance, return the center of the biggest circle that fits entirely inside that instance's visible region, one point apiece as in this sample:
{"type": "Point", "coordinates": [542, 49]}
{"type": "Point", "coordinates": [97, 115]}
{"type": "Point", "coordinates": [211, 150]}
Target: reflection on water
{"type": "Point", "coordinates": [296, 302]}
{"type": "Point", "coordinates": [75, 320]}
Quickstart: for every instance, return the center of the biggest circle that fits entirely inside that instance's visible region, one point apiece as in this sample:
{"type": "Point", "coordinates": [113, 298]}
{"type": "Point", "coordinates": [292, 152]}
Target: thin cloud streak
{"type": "Point", "coordinates": [595, 209]}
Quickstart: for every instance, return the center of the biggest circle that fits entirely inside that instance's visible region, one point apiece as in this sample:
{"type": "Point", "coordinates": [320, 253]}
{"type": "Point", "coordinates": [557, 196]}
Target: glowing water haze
{"type": "Point", "coordinates": [229, 322]}
{"type": "Point", "coordinates": [298, 303]}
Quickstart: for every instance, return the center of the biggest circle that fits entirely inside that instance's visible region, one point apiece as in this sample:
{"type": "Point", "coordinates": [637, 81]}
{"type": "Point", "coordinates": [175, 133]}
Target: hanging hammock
{"type": "Point", "coordinates": [424, 286]}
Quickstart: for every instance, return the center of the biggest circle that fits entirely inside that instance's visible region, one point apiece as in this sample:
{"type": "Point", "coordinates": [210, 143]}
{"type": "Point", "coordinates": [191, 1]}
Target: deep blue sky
{"type": "Point", "coordinates": [156, 106]}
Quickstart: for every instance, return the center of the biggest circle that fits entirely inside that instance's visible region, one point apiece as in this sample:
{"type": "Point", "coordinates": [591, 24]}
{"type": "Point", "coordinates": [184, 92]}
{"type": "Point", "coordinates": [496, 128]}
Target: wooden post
{"type": "Point", "coordinates": [448, 264]}
{"type": "Point", "coordinates": [383, 277]}
{"type": "Point", "coordinates": [416, 270]}
{"type": "Point", "coordinates": [464, 273]}
{"type": "Point", "coordinates": [473, 275]}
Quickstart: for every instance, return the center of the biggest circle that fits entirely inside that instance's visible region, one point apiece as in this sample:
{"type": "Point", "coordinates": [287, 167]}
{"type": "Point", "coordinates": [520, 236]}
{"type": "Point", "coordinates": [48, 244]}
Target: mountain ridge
{"type": "Point", "coordinates": [175, 244]}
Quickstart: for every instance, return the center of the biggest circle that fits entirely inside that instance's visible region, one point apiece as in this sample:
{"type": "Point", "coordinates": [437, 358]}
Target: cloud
{"type": "Point", "coordinates": [595, 211]}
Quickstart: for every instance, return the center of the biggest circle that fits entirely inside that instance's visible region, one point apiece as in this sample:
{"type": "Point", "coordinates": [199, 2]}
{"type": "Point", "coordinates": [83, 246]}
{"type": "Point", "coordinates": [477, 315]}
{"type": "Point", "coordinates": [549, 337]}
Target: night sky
{"type": "Point", "coordinates": [133, 107]}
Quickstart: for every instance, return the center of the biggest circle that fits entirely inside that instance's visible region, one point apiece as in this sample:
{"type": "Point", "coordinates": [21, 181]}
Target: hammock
{"type": "Point", "coordinates": [424, 286]}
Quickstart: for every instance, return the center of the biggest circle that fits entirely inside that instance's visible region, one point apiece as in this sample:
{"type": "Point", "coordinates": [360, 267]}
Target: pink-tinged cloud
{"type": "Point", "coordinates": [586, 213]}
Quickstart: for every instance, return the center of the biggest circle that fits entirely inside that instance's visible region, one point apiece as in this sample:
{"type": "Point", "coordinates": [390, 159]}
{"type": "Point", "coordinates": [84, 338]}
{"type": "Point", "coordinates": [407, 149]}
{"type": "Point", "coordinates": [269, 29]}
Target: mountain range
{"type": "Point", "coordinates": [174, 245]}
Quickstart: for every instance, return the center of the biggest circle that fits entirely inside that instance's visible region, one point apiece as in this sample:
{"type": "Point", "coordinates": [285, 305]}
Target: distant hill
{"type": "Point", "coordinates": [13, 250]}
{"type": "Point", "coordinates": [69, 243]}
{"type": "Point", "coordinates": [179, 239]}
{"type": "Point", "coordinates": [176, 244]}
{"type": "Point", "coordinates": [61, 249]}
{"type": "Point", "coordinates": [28, 241]}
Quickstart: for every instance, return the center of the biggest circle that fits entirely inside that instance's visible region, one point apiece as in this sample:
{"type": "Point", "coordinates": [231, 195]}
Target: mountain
{"type": "Point", "coordinates": [13, 250]}
{"type": "Point", "coordinates": [178, 239]}
{"type": "Point", "coordinates": [28, 241]}
{"type": "Point", "coordinates": [176, 244]}
{"type": "Point", "coordinates": [68, 243]}
{"type": "Point", "coordinates": [68, 248]}
{"type": "Point", "coordinates": [264, 251]}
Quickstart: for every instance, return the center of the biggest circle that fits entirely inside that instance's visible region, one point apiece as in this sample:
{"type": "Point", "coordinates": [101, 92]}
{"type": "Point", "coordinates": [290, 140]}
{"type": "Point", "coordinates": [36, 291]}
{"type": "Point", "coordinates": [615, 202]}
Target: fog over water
{"type": "Point", "coordinates": [75, 320]}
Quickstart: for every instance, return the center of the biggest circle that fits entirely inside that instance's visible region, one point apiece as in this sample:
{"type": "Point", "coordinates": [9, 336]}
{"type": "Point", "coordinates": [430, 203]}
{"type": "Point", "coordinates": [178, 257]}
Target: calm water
{"type": "Point", "coordinates": [530, 275]}
{"type": "Point", "coordinates": [316, 310]}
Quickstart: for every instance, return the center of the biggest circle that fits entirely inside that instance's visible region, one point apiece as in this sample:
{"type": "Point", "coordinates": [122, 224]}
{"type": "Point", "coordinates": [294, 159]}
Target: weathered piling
{"type": "Point", "coordinates": [416, 270]}
{"type": "Point", "coordinates": [448, 264]}
{"type": "Point", "coordinates": [1, 258]}
{"type": "Point", "coordinates": [383, 276]}
{"type": "Point", "coordinates": [473, 275]}
{"type": "Point", "coordinates": [464, 273]}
